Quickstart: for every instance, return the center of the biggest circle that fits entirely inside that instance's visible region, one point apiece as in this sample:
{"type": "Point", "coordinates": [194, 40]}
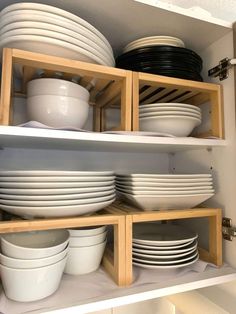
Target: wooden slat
{"type": "Point", "coordinates": [158, 97]}
{"type": "Point", "coordinates": [112, 91]}
{"type": "Point", "coordinates": [215, 238]}
{"type": "Point", "coordinates": [217, 115]}
{"type": "Point", "coordinates": [199, 99]}
{"type": "Point", "coordinates": [147, 92]}
{"type": "Point", "coordinates": [126, 102]}
{"type": "Point", "coordinates": [135, 101]}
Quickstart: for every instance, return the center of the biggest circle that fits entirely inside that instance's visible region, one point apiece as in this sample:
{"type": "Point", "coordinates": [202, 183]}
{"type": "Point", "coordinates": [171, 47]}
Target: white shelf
{"type": "Point", "coordinates": [22, 137]}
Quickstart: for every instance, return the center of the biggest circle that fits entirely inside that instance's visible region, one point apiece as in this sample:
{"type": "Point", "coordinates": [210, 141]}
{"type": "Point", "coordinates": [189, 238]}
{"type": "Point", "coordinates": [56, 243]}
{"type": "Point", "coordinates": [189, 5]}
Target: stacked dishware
{"type": "Point", "coordinates": [57, 103]}
{"type": "Point", "coordinates": [46, 29]}
{"type": "Point", "coordinates": [176, 119]}
{"type": "Point", "coordinates": [163, 55]}
{"type": "Point", "coordinates": [86, 248]}
{"type": "Point", "coordinates": [45, 193]}
{"type": "Point", "coordinates": [163, 246]}
{"type": "Point", "coordinates": [32, 263]}
{"type": "Point", "coordinates": [164, 191]}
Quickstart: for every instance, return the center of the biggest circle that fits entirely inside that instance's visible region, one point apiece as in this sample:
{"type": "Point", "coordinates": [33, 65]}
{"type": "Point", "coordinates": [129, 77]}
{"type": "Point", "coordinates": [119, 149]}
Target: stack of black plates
{"type": "Point", "coordinates": [163, 60]}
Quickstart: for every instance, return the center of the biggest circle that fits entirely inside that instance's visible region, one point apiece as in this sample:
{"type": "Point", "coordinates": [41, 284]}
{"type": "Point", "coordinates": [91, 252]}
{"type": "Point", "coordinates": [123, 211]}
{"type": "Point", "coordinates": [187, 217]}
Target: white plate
{"type": "Point", "coordinates": [153, 193]}
{"type": "Point", "coordinates": [170, 113]}
{"type": "Point", "coordinates": [163, 179]}
{"type": "Point", "coordinates": [165, 257]}
{"type": "Point", "coordinates": [56, 179]}
{"type": "Point", "coordinates": [52, 191]}
{"type": "Point", "coordinates": [161, 234]}
{"type": "Point", "coordinates": [167, 107]}
{"type": "Point", "coordinates": [155, 185]}
{"type": "Point", "coordinates": [166, 262]}
{"type": "Point", "coordinates": [163, 176]}
{"type": "Point", "coordinates": [143, 265]}
{"type": "Point", "coordinates": [55, 197]}
{"type": "Point", "coordinates": [64, 38]}
{"type": "Point", "coordinates": [165, 201]}
{"type": "Point", "coordinates": [11, 18]}
{"type": "Point", "coordinates": [164, 250]}
{"type": "Point", "coordinates": [54, 10]}
{"type": "Point", "coordinates": [41, 203]}
{"type": "Point", "coordinates": [53, 185]}
{"type": "Point", "coordinates": [54, 173]}
{"type": "Point", "coordinates": [56, 211]}
{"type": "Point", "coordinates": [138, 133]}
{"type": "Point", "coordinates": [164, 104]}
{"type": "Point", "coordinates": [166, 188]}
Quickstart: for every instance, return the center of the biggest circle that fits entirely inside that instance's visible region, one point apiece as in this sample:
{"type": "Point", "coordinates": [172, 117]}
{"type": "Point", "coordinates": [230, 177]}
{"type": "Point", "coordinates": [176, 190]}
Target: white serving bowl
{"type": "Point", "coordinates": [32, 263]}
{"type": "Point", "coordinates": [52, 86]}
{"type": "Point", "coordinates": [58, 111]}
{"type": "Point", "coordinates": [174, 125]}
{"type": "Point", "coordinates": [87, 241]}
{"type": "Point", "coordinates": [26, 285]}
{"type": "Point", "coordinates": [86, 231]}
{"type": "Point", "coordinates": [34, 244]}
{"type": "Point", "coordinates": [84, 260]}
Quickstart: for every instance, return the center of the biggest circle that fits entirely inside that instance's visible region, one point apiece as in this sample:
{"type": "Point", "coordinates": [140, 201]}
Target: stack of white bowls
{"type": "Point", "coordinates": [171, 118]}
{"type": "Point", "coordinates": [47, 29]}
{"type": "Point", "coordinates": [86, 248]}
{"type": "Point", "coordinates": [32, 263]}
{"type": "Point", "coordinates": [45, 193]}
{"type": "Point", "coordinates": [165, 191]}
{"type": "Point", "coordinates": [57, 103]}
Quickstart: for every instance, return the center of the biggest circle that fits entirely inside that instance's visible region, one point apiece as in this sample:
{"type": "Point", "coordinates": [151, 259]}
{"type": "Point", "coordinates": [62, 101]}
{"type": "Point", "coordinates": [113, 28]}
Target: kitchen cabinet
{"type": "Point", "coordinates": [24, 148]}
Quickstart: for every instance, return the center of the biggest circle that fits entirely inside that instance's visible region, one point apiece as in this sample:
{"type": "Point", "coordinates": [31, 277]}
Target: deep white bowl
{"type": "Point", "coordinates": [32, 263]}
{"type": "Point", "coordinates": [174, 125]}
{"type": "Point", "coordinates": [26, 285]}
{"type": "Point", "coordinates": [87, 241]}
{"type": "Point", "coordinates": [34, 244]}
{"type": "Point", "coordinates": [84, 260]}
{"type": "Point", "coordinates": [58, 111]}
{"type": "Point", "coordinates": [86, 231]}
{"type": "Point", "coordinates": [52, 86]}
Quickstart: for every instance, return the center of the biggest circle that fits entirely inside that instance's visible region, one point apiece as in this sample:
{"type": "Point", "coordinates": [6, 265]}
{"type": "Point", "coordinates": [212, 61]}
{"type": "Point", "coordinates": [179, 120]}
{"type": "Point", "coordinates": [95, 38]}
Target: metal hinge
{"type": "Point", "coordinates": [222, 69]}
{"type": "Point", "coordinates": [228, 231]}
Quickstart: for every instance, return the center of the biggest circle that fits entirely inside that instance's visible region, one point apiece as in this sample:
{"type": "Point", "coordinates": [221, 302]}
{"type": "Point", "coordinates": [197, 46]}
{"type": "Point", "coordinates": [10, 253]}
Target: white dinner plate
{"type": "Point", "coordinates": [163, 105]}
{"type": "Point", "coordinates": [75, 33]}
{"type": "Point", "coordinates": [56, 211]}
{"type": "Point", "coordinates": [55, 191]}
{"type": "Point", "coordinates": [170, 113]}
{"type": "Point", "coordinates": [153, 193]}
{"type": "Point", "coordinates": [55, 197]}
{"type": "Point", "coordinates": [164, 250]}
{"type": "Point", "coordinates": [54, 173]}
{"type": "Point", "coordinates": [139, 133]}
{"type": "Point", "coordinates": [46, 18]}
{"type": "Point", "coordinates": [165, 257]}
{"type": "Point", "coordinates": [44, 203]}
{"type": "Point", "coordinates": [163, 179]}
{"type": "Point", "coordinates": [143, 185]}
{"type": "Point", "coordinates": [18, 7]}
{"type": "Point", "coordinates": [184, 264]}
{"type": "Point", "coordinates": [161, 234]}
{"type": "Point", "coordinates": [99, 57]}
{"type": "Point", "coordinates": [164, 108]}
{"type": "Point", "coordinates": [53, 185]}
{"type": "Point", "coordinates": [163, 176]}
{"type": "Point", "coordinates": [145, 202]}
{"type": "Point", "coordinates": [56, 179]}
{"type": "Point", "coordinates": [168, 261]}
{"type": "Point", "coordinates": [139, 190]}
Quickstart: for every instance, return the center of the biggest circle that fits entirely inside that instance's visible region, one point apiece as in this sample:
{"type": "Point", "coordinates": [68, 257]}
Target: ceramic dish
{"type": "Point", "coordinates": [164, 176]}
{"type": "Point", "coordinates": [87, 240]}
{"type": "Point", "coordinates": [164, 108]}
{"type": "Point", "coordinates": [86, 231]}
{"type": "Point", "coordinates": [166, 188]}
{"type": "Point", "coordinates": [56, 179]}
{"type": "Point", "coordinates": [156, 185]}
{"type": "Point", "coordinates": [153, 193]}
{"type": "Point", "coordinates": [21, 173]}
{"type": "Point", "coordinates": [163, 105]}
{"type": "Point", "coordinates": [162, 257]}
{"type": "Point", "coordinates": [162, 179]}
{"type": "Point", "coordinates": [170, 113]}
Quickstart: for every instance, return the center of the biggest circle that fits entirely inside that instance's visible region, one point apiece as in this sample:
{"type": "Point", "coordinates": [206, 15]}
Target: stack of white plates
{"type": "Point", "coordinates": [47, 29]}
{"type": "Point", "coordinates": [163, 246]}
{"type": "Point", "coordinates": [173, 118]}
{"type": "Point", "coordinates": [154, 41]}
{"type": "Point", "coordinates": [44, 193]}
{"type": "Point", "coordinates": [165, 191]}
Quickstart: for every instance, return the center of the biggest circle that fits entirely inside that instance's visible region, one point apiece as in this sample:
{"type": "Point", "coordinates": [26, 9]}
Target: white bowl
{"type": "Point", "coordinates": [58, 111]}
{"type": "Point", "coordinates": [164, 104]}
{"type": "Point", "coordinates": [170, 113]}
{"type": "Point", "coordinates": [34, 244]}
{"type": "Point", "coordinates": [52, 86]}
{"type": "Point", "coordinates": [26, 285]}
{"type": "Point", "coordinates": [87, 241]}
{"type": "Point", "coordinates": [32, 263]}
{"type": "Point", "coordinates": [84, 260]}
{"type": "Point", "coordinates": [86, 231]}
{"type": "Point", "coordinates": [175, 125]}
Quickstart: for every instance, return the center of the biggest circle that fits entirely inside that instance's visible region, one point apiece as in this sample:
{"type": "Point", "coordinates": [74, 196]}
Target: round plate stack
{"type": "Point", "coordinates": [163, 246]}
{"type": "Point", "coordinates": [161, 55]}
{"type": "Point", "coordinates": [46, 29]}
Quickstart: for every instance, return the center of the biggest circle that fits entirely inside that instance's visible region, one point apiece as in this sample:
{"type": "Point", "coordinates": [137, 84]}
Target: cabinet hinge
{"type": "Point", "coordinates": [222, 69]}
{"type": "Point", "coordinates": [228, 231]}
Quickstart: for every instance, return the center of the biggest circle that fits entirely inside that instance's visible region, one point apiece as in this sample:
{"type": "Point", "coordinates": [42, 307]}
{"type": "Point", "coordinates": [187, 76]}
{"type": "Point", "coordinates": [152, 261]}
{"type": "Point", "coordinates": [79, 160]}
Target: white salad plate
{"type": "Point", "coordinates": [163, 176]}
{"type": "Point", "coordinates": [56, 179]}
{"type": "Point", "coordinates": [165, 250]}
{"type": "Point", "coordinates": [153, 193]}
{"type": "Point", "coordinates": [163, 256]}
{"type": "Point", "coordinates": [54, 173]}
{"type": "Point", "coordinates": [54, 10]}
{"type": "Point", "coordinates": [145, 190]}
{"type": "Point", "coordinates": [42, 203]}
{"type": "Point", "coordinates": [168, 261]}
{"type": "Point", "coordinates": [163, 179]}
{"type": "Point", "coordinates": [163, 105]}
{"type": "Point", "coordinates": [56, 211]}
{"type": "Point", "coordinates": [146, 184]}
{"type": "Point", "coordinates": [161, 234]}
{"type": "Point", "coordinates": [184, 264]}
{"type": "Point", "coordinates": [53, 185]}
